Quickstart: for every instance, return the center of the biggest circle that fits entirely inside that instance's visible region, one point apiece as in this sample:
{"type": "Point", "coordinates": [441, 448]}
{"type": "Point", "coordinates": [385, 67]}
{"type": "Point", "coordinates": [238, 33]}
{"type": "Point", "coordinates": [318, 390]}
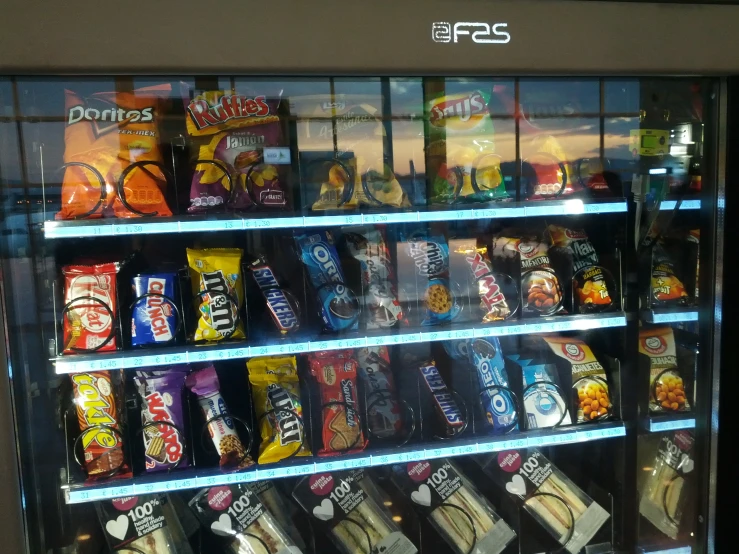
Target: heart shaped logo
{"type": "Point", "coordinates": [687, 464]}
{"type": "Point", "coordinates": [325, 510]}
{"type": "Point", "coordinates": [117, 527]}
{"type": "Point", "coordinates": [222, 526]}
{"type": "Point", "coordinates": [516, 485]}
{"type": "Point", "coordinates": [422, 496]}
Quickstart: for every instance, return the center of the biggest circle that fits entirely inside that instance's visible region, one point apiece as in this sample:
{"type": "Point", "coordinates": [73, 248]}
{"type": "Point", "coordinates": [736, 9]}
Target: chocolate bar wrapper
{"type": "Point", "coordinates": [491, 297]}
{"type": "Point", "coordinates": [205, 386]}
{"type": "Point", "coordinates": [231, 132]}
{"type": "Point", "coordinates": [541, 290]}
{"type": "Point", "coordinates": [444, 403]}
{"type": "Point", "coordinates": [383, 408]}
{"type": "Point", "coordinates": [666, 386]}
{"type": "Point", "coordinates": [90, 325]}
{"type": "Point", "coordinates": [154, 319]}
{"type": "Point", "coordinates": [591, 288]}
{"type": "Point", "coordinates": [341, 429]}
{"type": "Point", "coordinates": [281, 306]}
{"type": "Point", "coordinates": [98, 397]}
{"type": "Point", "coordinates": [215, 274]}
{"type": "Point", "coordinates": [424, 263]}
{"type": "Point", "coordinates": [589, 380]}
{"type": "Point", "coordinates": [275, 386]}
{"type": "Point", "coordinates": [162, 396]}
{"type": "Point", "coordinates": [368, 246]}
{"type": "Point", "coordinates": [338, 304]}
{"type": "Point", "coordinates": [501, 414]}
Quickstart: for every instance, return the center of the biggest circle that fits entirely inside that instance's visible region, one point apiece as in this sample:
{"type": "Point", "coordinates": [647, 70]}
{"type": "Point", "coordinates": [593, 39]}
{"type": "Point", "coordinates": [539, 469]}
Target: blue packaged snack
{"type": "Point", "coordinates": [543, 401]}
{"type": "Point", "coordinates": [498, 404]}
{"type": "Point", "coordinates": [338, 305]}
{"type": "Point", "coordinates": [458, 349]}
{"type": "Point", "coordinates": [154, 318]}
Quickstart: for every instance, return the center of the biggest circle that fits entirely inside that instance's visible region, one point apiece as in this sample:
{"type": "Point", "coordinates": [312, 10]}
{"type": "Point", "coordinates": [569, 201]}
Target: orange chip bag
{"type": "Point", "coordinates": [113, 166]}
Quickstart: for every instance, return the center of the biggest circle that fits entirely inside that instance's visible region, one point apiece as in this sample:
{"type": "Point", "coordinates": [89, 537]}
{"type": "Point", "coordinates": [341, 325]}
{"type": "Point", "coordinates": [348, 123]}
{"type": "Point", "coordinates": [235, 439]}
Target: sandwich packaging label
{"type": "Point", "coordinates": [677, 451]}
{"type": "Point", "coordinates": [428, 483]}
{"type": "Point", "coordinates": [227, 510]}
{"type": "Point", "coordinates": [129, 518]}
{"type": "Point", "coordinates": [329, 497]}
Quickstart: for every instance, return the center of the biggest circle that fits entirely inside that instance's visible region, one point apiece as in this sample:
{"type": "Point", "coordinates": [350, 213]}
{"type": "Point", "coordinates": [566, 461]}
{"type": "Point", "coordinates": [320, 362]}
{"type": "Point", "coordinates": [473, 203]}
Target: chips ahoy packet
{"type": "Point", "coordinates": [154, 319]}
{"type": "Point", "coordinates": [338, 305]}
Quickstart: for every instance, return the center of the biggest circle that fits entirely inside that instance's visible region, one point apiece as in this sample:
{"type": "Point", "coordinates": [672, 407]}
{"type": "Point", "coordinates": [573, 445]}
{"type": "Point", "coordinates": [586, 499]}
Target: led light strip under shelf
{"type": "Point", "coordinates": [78, 494]}
{"type": "Point", "coordinates": [73, 229]}
{"type": "Point", "coordinates": [194, 354]}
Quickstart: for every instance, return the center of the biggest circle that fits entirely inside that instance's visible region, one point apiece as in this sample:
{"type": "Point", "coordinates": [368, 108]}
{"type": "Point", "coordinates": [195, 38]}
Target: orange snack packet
{"type": "Point", "coordinates": [106, 134]}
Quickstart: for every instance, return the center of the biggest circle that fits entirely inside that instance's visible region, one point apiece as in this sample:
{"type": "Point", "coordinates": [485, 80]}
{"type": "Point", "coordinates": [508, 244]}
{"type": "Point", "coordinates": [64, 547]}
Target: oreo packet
{"type": "Point", "coordinates": [498, 404]}
{"type": "Point", "coordinates": [163, 423]}
{"type": "Point", "coordinates": [154, 319]}
{"type": "Point", "coordinates": [368, 246]}
{"type": "Point", "coordinates": [338, 306]}
{"type": "Point", "coordinates": [423, 264]}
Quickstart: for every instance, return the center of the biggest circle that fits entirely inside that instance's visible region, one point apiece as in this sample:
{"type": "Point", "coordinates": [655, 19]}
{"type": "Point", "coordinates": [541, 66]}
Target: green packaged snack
{"type": "Point", "coordinates": [462, 165]}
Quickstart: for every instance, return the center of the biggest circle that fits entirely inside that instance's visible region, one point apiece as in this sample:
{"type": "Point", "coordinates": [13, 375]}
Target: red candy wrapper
{"type": "Point", "coordinates": [90, 316]}
{"type": "Point", "coordinates": [336, 375]}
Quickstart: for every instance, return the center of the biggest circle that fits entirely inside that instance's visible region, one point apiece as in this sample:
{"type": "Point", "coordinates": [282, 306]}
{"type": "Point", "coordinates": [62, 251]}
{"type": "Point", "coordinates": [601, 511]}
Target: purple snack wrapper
{"type": "Point", "coordinates": [162, 396]}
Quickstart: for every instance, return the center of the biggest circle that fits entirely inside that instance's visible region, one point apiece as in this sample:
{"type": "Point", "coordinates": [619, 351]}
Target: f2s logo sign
{"type": "Point", "coordinates": [481, 33]}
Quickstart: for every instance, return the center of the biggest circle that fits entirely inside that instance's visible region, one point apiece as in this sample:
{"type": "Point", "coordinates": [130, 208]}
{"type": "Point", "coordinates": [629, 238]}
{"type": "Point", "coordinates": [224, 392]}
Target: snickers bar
{"type": "Point", "coordinates": [280, 305]}
{"type": "Point", "coordinates": [154, 318]}
{"type": "Point", "coordinates": [443, 399]}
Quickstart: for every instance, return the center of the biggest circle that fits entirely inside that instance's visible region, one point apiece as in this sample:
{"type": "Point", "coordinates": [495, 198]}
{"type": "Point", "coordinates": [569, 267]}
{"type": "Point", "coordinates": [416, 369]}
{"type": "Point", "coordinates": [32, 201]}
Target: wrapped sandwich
{"type": "Point", "coordinates": [560, 506]}
{"type": "Point", "coordinates": [356, 523]}
{"type": "Point", "coordinates": [457, 511]}
{"type": "Point", "coordinates": [235, 513]}
{"type": "Point", "coordinates": [664, 494]}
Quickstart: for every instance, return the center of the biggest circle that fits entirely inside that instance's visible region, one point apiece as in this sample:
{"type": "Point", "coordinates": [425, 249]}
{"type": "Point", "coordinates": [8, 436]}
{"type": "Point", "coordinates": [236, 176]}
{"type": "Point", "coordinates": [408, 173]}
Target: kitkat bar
{"type": "Point", "coordinates": [90, 311]}
{"type": "Point", "coordinates": [335, 372]}
{"type": "Point", "coordinates": [98, 398]}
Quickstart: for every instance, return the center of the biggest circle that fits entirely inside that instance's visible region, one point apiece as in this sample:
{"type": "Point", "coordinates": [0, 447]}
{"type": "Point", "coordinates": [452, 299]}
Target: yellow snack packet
{"type": "Point", "coordinates": [276, 392]}
{"type": "Point", "coordinates": [216, 279]}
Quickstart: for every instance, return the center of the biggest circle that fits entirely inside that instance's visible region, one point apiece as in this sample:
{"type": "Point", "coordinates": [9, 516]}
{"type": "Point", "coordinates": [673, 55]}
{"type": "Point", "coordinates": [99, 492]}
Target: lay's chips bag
{"type": "Point", "coordinates": [231, 133]}
{"type": "Point", "coordinates": [111, 155]}
{"type": "Point", "coordinates": [461, 159]}
{"type": "Point", "coordinates": [217, 287]}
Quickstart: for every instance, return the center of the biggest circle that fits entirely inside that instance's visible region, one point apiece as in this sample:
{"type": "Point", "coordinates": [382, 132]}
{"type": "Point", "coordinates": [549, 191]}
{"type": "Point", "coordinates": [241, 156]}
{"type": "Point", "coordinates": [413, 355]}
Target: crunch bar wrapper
{"type": "Point", "coordinates": [275, 386]}
{"type": "Point", "coordinates": [591, 289]}
{"type": "Point", "coordinates": [383, 408]}
{"type": "Point", "coordinates": [666, 386]}
{"type": "Point", "coordinates": [154, 319]}
{"type": "Point", "coordinates": [98, 397]}
{"type": "Point", "coordinates": [106, 133]}
{"type": "Point", "coordinates": [664, 494]}
{"type": "Point", "coordinates": [461, 146]}
{"type": "Point", "coordinates": [90, 325]}
{"type": "Point", "coordinates": [341, 429]}
{"type": "Point", "coordinates": [589, 379]}
{"type": "Point", "coordinates": [526, 475]}
{"type": "Point", "coordinates": [368, 246]}
{"type": "Point", "coordinates": [540, 287]}
{"type": "Point", "coordinates": [215, 274]}
{"type": "Point", "coordinates": [204, 384]}
{"type": "Point", "coordinates": [439, 490]}
{"type": "Point", "coordinates": [162, 396]}
{"type": "Point", "coordinates": [232, 132]}
{"type": "Point", "coordinates": [338, 305]}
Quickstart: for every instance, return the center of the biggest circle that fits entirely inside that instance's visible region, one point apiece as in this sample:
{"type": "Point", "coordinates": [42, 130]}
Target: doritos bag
{"type": "Point", "coordinates": [111, 156]}
{"type": "Point", "coordinates": [231, 169]}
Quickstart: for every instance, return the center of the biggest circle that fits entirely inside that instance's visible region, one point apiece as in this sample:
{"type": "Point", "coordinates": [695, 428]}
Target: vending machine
{"type": "Point", "coordinates": [394, 278]}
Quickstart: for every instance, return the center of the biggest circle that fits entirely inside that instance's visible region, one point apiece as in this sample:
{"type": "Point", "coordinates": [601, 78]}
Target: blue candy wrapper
{"type": "Point", "coordinates": [154, 319]}
{"type": "Point", "coordinates": [498, 404]}
{"type": "Point", "coordinates": [338, 305]}
{"type": "Point", "coordinates": [542, 401]}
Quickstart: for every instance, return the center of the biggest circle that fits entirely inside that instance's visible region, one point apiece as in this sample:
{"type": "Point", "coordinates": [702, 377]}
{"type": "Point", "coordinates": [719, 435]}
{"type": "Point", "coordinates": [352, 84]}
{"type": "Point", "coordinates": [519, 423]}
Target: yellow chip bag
{"type": "Point", "coordinates": [215, 274]}
{"type": "Point", "coordinates": [276, 395]}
